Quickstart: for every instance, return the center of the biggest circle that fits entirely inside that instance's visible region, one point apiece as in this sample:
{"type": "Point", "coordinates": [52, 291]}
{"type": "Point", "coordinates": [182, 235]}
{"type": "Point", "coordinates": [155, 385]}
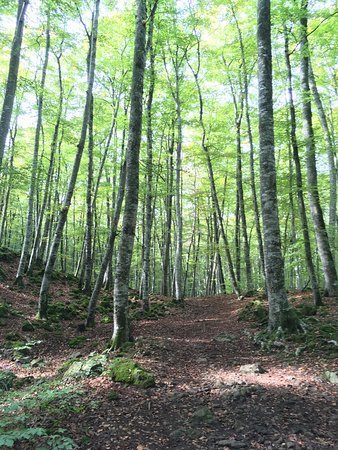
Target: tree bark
{"type": "Point", "coordinates": [299, 182]}
{"type": "Point", "coordinates": [26, 246]}
{"type": "Point", "coordinates": [46, 280]}
{"type": "Point", "coordinates": [121, 333]}
{"type": "Point", "coordinates": [12, 78]}
{"type": "Point", "coordinates": [324, 250]}
{"type": "Point", "coordinates": [274, 264]}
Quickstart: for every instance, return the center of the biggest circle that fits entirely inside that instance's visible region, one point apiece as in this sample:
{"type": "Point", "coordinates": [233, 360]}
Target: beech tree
{"type": "Point", "coordinates": [12, 78]}
{"type": "Point", "coordinates": [121, 332]}
{"type": "Point", "coordinates": [274, 265]}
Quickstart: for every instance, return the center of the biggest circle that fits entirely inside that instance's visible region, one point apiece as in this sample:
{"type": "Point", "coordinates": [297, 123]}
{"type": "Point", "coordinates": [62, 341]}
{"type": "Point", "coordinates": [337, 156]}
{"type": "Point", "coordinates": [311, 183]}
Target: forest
{"type": "Point", "coordinates": [168, 224]}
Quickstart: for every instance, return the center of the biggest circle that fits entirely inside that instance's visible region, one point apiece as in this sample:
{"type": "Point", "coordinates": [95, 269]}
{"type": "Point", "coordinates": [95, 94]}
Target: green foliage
{"type": "Point", "coordinates": [8, 255]}
{"type": "Point", "coordinates": [19, 407]}
{"type": "Point", "coordinates": [7, 378]}
{"type": "Point", "coordinates": [125, 370]}
{"type": "Point", "coordinates": [4, 310]}
{"type": "Point", "coordinates": [113, 395]}
{"type": "Point", "coordinates": [77, 342]}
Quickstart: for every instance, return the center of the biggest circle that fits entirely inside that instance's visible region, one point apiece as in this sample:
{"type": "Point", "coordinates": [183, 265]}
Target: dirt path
{"type": "Point", "coordinates": [202, 399]}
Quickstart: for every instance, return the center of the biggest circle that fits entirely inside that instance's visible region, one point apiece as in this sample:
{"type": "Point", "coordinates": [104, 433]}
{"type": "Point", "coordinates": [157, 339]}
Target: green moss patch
{"type": "Point", "coordinates": [77, 342]}
{"type": "Point", "coordinates": [125, 370]}
{"type": "Point", "coordinates": [255, 311]}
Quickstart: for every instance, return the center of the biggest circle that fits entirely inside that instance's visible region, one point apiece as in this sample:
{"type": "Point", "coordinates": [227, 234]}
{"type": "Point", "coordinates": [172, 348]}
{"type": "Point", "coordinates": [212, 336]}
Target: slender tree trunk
{"type": "Point", "coordinates": [325, 254]}
{"type": "Point", "coordinates": [34, 258]}
{"type": "Point", "coordinates": [26, 246]}
{"type": "Point", "coordinates": [331, 157]}
{"type": "Point", "coordinates": [149, 174]}
{"type": "Point", "coordinates": [88, 262]}
{"type": "Point", "coordinates": [168, 201]}
{"type": "Point", "coordinates": [274, 264]}
{"type": "Point", "coordinates": [252, 157]}
{"type": "Point", "coordinates": [8, 186]}
{"type": "Point", "coordinates": [121, 332]}
{"type": "Point", "coordinates": [12, 78]}
{"type": "Point", "coordinates": [109, 250]}
{"type": "Point", "coordinates": [46, 280]}
{"type": "Point", "coordinates": [299, 182]}
{"type": "Point", "coordinates": [215, 202]}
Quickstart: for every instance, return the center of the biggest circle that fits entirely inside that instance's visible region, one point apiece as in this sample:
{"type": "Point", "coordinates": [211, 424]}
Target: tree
{"type": "Point", "coordinates": [274, 265]}
{"type": "Point", "coordinates": [12, 78]}
{"type": "Point", "coordinates": [121, 332]}
{"type": "Point", "coordinates": [330, 274]}
{"type": "Point", "coordinates": [46, 280]}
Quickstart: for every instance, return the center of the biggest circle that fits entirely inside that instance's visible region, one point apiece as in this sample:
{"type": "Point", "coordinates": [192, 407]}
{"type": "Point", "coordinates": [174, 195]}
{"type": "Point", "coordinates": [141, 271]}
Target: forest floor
{"type": "Point", "coordinates": [206, 395]}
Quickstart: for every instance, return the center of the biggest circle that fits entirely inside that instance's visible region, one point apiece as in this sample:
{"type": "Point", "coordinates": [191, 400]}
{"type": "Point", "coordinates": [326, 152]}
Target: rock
{"type": "Point", "coordinates": [332, 377]}
{"type": "Point", "coordinates": [7, 379]}
{"type": "Point", "coordinates": [28, 326]}
{"type": "Point", "coordinates": [177, 434]}
{"type": "Point", "coordinates": [224, 338]}
{"type": "Point", "coordinates": [232, 443]}
{"type": "Point", "coordinates": [86, 368]}
{"type": "Point", "coordinates": [201, 360]}
{"type": "Point", "coordinates": [125, 370]}
{"type": "Point", "coordinates": [252, 368]}
{"type": "Point", "coordinates": [37, 362]}
{"type": "Point", "coordinates": [202, 416]}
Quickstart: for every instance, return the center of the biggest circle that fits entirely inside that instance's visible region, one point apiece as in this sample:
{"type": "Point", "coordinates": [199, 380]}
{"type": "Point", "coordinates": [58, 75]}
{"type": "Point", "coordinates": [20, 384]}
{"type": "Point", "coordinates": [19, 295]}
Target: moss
{"type": "Point", "coordinates": [62, 311]}
{"type": "Point", "coordinates": [306, 310]}
{"type": "Point", "coordinates": [13, 336]}
{"type": "Point", "coordinates": [290, 321]}
{"type": "Point", "coordinates": [125, 370]}
{"type": "Point", "coordinates": [113, 395]}
{"type": "Point", "coordinates": [28, 326]}
{"type": "Point", "coordinates": [106, 319]}
{"type": "Point", "coordinates": [8, 255]}
{"type": "Point", "coordinates": [77, 342]}
{"type": "Point", "coordinates": [4, 310]}
{"type": "Point", "coordinates": [255, 311]}
{"type": "Point", "coordinates": [7, 379]}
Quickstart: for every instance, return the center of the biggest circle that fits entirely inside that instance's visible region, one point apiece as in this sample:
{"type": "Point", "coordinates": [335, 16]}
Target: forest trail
{"type": "Point", "coordinates": [206, 396]}
{"type": "Point", "coordinates": [203, 400]}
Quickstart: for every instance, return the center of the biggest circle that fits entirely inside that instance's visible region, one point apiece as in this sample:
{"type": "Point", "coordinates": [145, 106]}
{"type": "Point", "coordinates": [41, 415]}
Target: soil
{"type": "Point", "coordinates": [203, 398]}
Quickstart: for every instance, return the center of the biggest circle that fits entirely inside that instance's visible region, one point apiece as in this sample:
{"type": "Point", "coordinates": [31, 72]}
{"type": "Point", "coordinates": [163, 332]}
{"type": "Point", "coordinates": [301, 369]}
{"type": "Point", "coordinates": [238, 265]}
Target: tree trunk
{"type": "Point", "coordinates": [325, 254]}
{"type": "Point", "coordinates": [26, 246]}
{"type": "Point", "coordinates": [109, 251]}
{"type": "Point", "coordinates": [331, 155]}
{"type": "Point", "coordinates": [12, 78]}
{"type": "Point", "coordinates": [121, 332]}
{"type": "Point", "coordinates": [149, 189]}
{"type": "Point", "coordinates": [274, 264]}
{"type": "Point", "coordinates": [46, 280]}
{"type": "Point", "coordinates": [299, 182]}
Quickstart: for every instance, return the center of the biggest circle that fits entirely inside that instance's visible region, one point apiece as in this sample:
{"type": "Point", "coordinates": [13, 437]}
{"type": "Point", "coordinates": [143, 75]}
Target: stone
{"type": "Point", "coordinates": [252, 368]}
{"type": "Point", "coordinates": [86, 368]}
{"type": "Point", "coordinates": [37, 362]}
{"type": "Point", "coordinates": [224, 338]}
{"type": "Point", "coordinates": [177, 434]}
{"type": "Point", "coordinates": [332, 377]}
{"type": "Point", "coordinates": [232, 443]}
{"type": "Point", "coordinates": [202, 416]}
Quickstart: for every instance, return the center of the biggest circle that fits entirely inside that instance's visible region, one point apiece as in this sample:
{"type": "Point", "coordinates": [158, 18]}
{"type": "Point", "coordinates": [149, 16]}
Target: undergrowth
{"type": "Point", "coordinates": [20, 408]}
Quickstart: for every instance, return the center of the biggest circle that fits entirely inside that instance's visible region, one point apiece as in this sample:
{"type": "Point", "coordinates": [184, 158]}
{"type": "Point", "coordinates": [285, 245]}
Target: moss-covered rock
{"type": "Point", "coordinates": [77, 342]}
{"type": "Point", "coordinates": [28, 326]}
{"type": "Point", "coordinates": [7, 378]}
{"type": "Point", "coordinates": [4, 310]}
{"type": "Point", "coordinates": [62, 311]}
{"type": "Point", "coordinates": [83, 368]}
{"type": "Point", "coordinates": [256, 311]}
{"type": "Point", "coordinates": [125, 370]}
